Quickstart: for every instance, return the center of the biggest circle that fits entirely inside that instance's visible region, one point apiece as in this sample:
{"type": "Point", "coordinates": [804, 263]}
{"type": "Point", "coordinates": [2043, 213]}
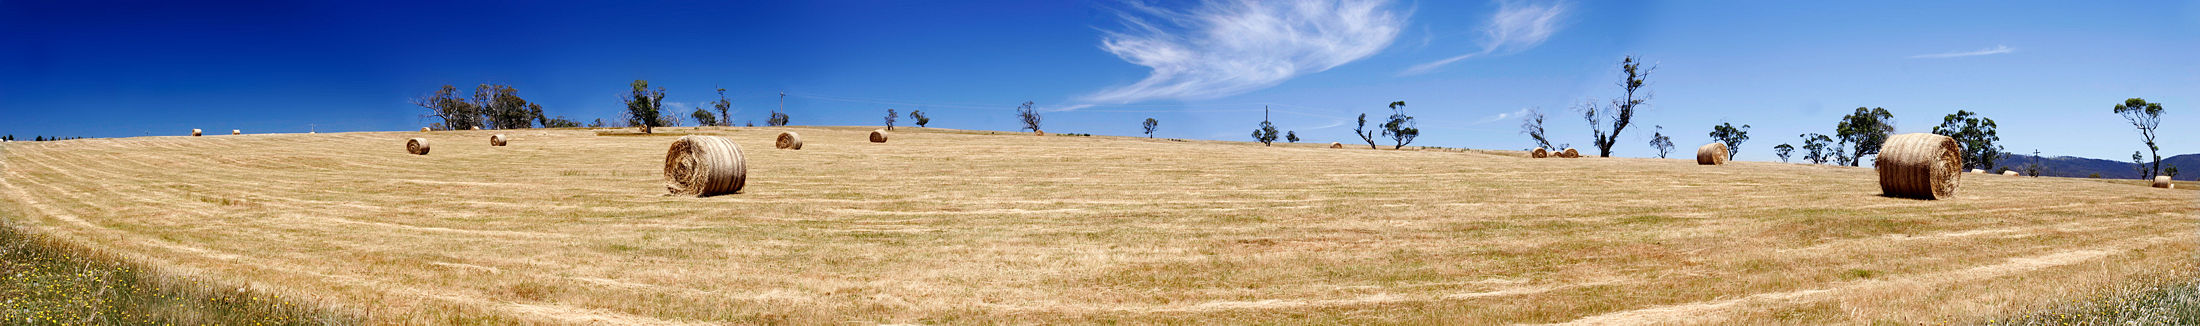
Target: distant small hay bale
{"type": "Point", "coordinates": [1040, 132]}
{"type": "Point", "coordinates": [2161, 181]}
{"type": "Point", "coordinates": [1978, 171]}
{"type": "Point", "coordinates": [194, 132]}
{"type": "Point", "coordinates": [2010, 173]}
{"type": "Point", "coordinates": [705, 166]}
{"type": "Point", "coordinates": [417, 146]}
{"type": "Point", "coordinates": [423, 129]}
{"type": "Point", "coordinates": [234, 132]}
{"type": "Point", "coordinates": [1920, 165]}
{"type": "Point", "coordinates": [878, 136]}
{"type": "Point", "coordinates": [496, 140]}
{"type": "Point", "coordinates": [1539, 153]}
{"type": "Point", "coordinates": [1336, 145]}
{"type": "Point", "coordinates": [1711, 154]}
{"type": "Point", "coordinates": [789, 140]}
{"type": "Point", "coordinates": [1569, 153]}
{"type": "Point", "coordinates": [477, 128]}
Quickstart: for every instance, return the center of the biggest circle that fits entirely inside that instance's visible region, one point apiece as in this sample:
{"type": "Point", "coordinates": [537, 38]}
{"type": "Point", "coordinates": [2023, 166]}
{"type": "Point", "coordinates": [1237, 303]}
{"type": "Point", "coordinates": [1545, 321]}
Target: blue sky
{"type": "Point", "coordinates": [2046, 71]}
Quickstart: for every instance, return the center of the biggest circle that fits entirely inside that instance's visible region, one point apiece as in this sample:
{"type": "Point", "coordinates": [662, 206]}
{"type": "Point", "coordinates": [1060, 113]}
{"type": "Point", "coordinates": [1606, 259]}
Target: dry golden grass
{"type": "Point", "coordinates": [973, 227]}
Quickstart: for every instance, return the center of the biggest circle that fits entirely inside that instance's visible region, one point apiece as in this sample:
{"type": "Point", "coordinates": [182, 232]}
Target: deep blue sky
{"type": "Point", "coordinates": [2046, 71]}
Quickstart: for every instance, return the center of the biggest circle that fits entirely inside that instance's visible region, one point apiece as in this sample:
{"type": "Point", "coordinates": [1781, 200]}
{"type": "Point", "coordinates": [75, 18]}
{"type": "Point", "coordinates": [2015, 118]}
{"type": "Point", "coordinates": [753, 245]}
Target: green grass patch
{"type": "Point", "coordinates": [42, 283]}
{"type": "Point", "coordinates": [2170, 303]}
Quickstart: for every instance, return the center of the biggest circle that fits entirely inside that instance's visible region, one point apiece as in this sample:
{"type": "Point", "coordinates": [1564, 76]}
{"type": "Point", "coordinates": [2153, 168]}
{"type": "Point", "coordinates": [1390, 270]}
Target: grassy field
{"type": "Point", "coordinates": [944, 226]}
{"type": "Point", "coordinates": [46, 283]}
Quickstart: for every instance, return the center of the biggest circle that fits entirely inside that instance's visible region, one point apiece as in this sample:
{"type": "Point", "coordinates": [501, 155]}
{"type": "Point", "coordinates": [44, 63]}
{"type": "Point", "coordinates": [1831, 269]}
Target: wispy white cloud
{"type": "Point", "coordinates": [1501, 116]}
{"type": "Point", "coordinates": [1998, 49]}
{"type": "Point", "coordinates": [1516, 26]}
{"type": "Point", "coordinates": [1229, 47]}
{"type": "Point", "coordinates": [1072, 107]}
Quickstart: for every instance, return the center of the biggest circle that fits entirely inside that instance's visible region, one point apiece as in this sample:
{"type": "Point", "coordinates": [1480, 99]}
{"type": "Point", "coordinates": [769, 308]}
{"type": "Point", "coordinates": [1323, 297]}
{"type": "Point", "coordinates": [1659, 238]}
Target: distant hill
{"type": "Point", "coordinates": [2080, 167]}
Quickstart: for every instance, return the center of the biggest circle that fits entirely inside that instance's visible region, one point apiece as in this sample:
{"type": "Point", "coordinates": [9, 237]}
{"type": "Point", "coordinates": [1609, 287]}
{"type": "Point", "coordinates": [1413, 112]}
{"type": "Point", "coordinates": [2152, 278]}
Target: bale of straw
{"type": "Point", "coordinates": [2010, 173]}
{"type": "Point", "coordinates": [1569, 153]}
{"type": "Point", "coordinates": [1539, 153]}
{"type": "Point", "coordinates": [1978, 171]}
{"type": "Point", "coordinates": [1336, 145]}
{"type": "Point", "coordinates": [2161, 181]}
{"type": "Point", "coordinates": [477, 128]}
{"type": "Point", "coordinates": [234, 132]}
{"type": "Point", "coordinates": [705, 166]}
{"type": "Point", "coordinates": [789, 140]}
{"type": "Point", "coordinates": [1711, 154]}
{"type": "Point", "coordinates": [496, 140]}
{"type": "Point", "coordinates": [1040, 132]}
{"type": "Point", "coordinates": [417, 146]}
{"type": "Point", "coordinates": [423, 129]}
{"type": "Point", "coordinates": [194, 132]}
{"type": "Point", "coordinates": [878, 136]}
{"type": "Point", "coordinates": [1920, 165]}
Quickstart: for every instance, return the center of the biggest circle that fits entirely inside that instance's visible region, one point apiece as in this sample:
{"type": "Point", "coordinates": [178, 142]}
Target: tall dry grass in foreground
{"type": "Point", "coordinates": [943, 226]}
{"type": "Point", "coordinates": [47, 283]}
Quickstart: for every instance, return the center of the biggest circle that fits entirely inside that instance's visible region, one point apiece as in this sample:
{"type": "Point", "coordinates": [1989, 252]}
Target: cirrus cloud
{"type": "Point", "coordinates": [1998, 49]}
{"type": "Point", "coordinates": [1513, 28]}
{"type": "Point", "coordinates": [1228, 47]}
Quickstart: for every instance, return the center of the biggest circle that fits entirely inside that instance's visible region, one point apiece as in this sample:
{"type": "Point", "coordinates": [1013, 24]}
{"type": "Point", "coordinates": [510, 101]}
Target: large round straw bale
{"type": "Point", "coordinates": [1539, 153]}
{"type": "Point", "coordinates": [194, 132]}
{"type": "Point", "coordinates": [2010, 173]}
{"type": "Point", "coordinates": [705, 166]}
{"type": "Point", "coordinates": [1711, 154]}
{"type": "Point", "coordinates": [234, 132]}
{"type": "Point", "coordinates": [1039, 132]}
{"type": "Point", "coordinates": [477, 128]}
{"type": "Point", "coordinates": [2161, 182]}
{"type": "Point", "coordinates": [878, 136]}
{"type": "Point", "coordinates": [789, 140]}
{"type": "Point", "coordinates": [496, 140]}
{"type": "Point", "coordinates": [1569, 153]}
{"type": "Point", "coordinates": [423, 129]}
{"type": "Point", "coordinates": [1978, 171]}
{"type": "Point", "coordinates": [1336, 145]}
{"type": "Point", "coordinates": [417, 146]}
{"type": "Point", "coordinates": [1919, 165]}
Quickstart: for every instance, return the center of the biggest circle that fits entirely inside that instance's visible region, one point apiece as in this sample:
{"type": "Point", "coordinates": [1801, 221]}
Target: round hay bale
{"type": "Point", "coordinates": [1978, 171]}
{"type": "Point", "coordinates": [705, 166]}
{"type": "Point", "coordinates": [477, 128]}
{"type": "Point", "coordinates": [1539, 153]}
{"type": "Point", "coordinates": [194, 132]}
{"type": "Point", "coordinates": [1919, 165]}
{"type": "Point", "coordinates": [1040, 132]}
{"type": "Point", "coordinates": [423, 129]}
{"type": "Point", "coordinates": [417, 146]}
{"type": "Point", "coordinates": [1711, 154]}
{"type": "Point", "coordinates": [878, 136]}
{"type": "Point", "coordinates": [1569, 153]}
{"type": "Point", "coordinates": [234, 132]}
{"type": "Point", "coordinates": [1336, 145]}
{"type": "Point", "coordinates": [2161, 182]}
{"type": "Point", "coordinates": [2010, 173]}
{"type": "Point", "coordinates": [496, 140]}
{"type": "Point", "coordinates": [789, 140]}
